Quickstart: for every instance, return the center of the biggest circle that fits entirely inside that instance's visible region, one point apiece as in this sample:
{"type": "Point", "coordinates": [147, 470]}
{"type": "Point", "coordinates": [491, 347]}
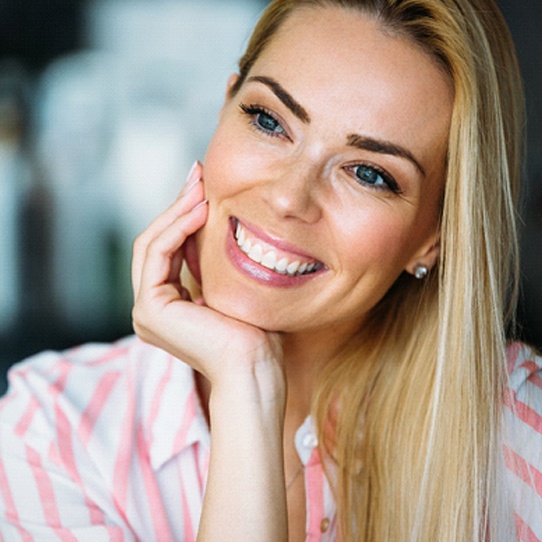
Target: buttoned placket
{"type": "Point", "coordinates": [321, 511]}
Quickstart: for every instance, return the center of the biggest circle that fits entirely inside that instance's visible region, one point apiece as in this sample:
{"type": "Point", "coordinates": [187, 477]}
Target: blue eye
{"type": "Point", "coordinates": [263, 120]}
{"type": "Point", "coordinates": [268, 123]}
{"type": "Point", "coordinates": [373, 177]}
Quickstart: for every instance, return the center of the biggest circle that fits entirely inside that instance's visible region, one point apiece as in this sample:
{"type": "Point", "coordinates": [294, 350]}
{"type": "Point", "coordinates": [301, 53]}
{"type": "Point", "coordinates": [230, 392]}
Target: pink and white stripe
{"type": "Point", "coordinates": [523, 440]}
{"type": "Point", "coordinates": [109, 442]}
{"type": "Point", "coordinates": [85, 453]}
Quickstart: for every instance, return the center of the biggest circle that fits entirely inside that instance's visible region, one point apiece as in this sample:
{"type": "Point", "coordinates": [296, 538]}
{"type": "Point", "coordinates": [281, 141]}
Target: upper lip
{"type": "Point", "coordinates": [280, 244]}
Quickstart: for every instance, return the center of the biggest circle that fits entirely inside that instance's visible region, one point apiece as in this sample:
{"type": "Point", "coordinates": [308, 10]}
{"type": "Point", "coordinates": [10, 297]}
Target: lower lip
{"type": "Point", "coordinates": [258, 272]}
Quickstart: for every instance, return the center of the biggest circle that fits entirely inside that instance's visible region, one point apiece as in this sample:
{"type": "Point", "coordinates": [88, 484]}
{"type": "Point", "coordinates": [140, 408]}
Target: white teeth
{"type": "Point", "coordinates": [281, 266]}
{"type": "Point", "coordinates": [240, 235]}
{"type": "Point", "coordinates": [293, 267]}
{"type": "Point", "coordinates": [255, 252]}
{"type": "Point", "coordinates": [247, 245]}
{"type": "Point", "coordinates": [269, 260]}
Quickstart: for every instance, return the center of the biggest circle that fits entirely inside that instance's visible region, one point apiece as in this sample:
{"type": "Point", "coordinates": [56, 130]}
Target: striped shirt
{"type": "Point", "coordinates": [109, 442]}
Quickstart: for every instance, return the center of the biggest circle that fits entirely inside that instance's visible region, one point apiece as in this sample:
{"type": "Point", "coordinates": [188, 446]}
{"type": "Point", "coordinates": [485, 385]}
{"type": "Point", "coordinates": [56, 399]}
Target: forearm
{"type": "Point", "coordinates": [245, 497]}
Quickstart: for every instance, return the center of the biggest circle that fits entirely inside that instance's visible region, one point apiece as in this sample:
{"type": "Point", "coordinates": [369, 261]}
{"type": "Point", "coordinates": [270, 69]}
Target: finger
{"type": "Point", "coordinates": [162, 255]}
{"type": "Point", "coordinates": [157, 264]}
{"type": "Point", "coordinates": [176, 264]}
{"type": "Point", "coordinates": [185, 295]}
{"type": "Point", "coordinates": [194, 175]}
{"type": "Point", "coordinates": [182, 206]}
{"type": "Point", "coordinates": [190, 196]}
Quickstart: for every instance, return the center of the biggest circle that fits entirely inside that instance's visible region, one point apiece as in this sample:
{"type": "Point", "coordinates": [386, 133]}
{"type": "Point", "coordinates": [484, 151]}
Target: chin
{"type": "Point", "coordinates": [241, 309]}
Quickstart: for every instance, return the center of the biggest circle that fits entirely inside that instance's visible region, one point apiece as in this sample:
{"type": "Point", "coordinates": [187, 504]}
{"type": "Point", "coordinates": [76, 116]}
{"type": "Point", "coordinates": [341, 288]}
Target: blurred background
{"type": "Point", "coordinates": [104, 105]}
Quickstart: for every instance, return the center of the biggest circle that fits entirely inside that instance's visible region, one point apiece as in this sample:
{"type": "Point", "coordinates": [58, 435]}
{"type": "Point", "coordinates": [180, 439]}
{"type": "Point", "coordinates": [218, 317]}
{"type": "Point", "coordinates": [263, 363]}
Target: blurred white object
{"type": "Point", "coordinates": [75, 124]}
{"type": "Point", "coordinates": [10, 202]}
{"type": "Point", "coordinates": [120, 127]}
{"type": "Point", "coordinates": [205, 33]}
{"type": "Point", "coordinates": [185, 48]}
{"type": "Point", "coordinates": [14, 173]}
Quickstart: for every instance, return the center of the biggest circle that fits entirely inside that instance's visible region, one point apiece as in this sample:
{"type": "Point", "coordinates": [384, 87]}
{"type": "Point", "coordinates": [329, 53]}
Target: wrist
{"type": "Point", "coordinates": [260, 391]}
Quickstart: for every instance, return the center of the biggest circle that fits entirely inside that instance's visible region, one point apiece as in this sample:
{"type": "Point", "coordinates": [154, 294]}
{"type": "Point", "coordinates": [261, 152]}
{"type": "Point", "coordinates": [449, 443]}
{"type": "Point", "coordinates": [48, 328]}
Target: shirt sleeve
{"type": "Point", "coordinates": [50, 489]}
{"type": "Point", "coordinates": [523, 439]}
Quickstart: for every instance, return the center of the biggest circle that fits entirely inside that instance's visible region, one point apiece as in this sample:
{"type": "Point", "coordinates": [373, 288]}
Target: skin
{"type": "Point", "coordinates": [257, 347]}
{"type": "Point", "coordinates": [296, 187]}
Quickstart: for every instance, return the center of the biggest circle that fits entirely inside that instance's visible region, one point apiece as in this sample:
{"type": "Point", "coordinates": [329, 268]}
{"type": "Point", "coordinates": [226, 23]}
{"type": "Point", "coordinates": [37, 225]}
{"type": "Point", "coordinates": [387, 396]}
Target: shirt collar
{"type": "Point", "coordinates": [178, 422]}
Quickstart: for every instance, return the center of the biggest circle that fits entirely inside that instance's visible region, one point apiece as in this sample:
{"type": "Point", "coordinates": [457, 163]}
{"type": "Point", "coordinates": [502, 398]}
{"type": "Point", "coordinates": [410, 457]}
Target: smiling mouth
{"type": "Point", "coordinates": [272, 257]}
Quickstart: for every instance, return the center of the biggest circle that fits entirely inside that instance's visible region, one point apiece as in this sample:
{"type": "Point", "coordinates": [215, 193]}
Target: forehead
{"type": "Point", "coordinates": [343, 67]}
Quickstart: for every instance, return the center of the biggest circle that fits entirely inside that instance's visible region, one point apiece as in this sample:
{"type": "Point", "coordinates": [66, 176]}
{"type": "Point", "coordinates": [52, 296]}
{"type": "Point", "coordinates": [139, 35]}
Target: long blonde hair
{"type": "Point", "coordinates": [415, 401]}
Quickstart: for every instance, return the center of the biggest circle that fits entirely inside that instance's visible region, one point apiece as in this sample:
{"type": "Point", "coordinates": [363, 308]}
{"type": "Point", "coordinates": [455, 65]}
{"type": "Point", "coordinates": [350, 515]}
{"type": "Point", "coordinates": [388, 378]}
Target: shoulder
{"type": "Point", "coordinates": [524, 385]}
{"type": "Point", "coordinates": [94, 389]}
{"type": "Point", "coordinates": [523, 436]}
{"type": "Point", "coordinates": [75, 423]}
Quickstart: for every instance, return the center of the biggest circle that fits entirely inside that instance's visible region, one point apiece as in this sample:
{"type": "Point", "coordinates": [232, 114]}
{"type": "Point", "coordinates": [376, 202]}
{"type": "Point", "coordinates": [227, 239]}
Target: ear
{"type": "Point", "coordinates": [427, 255]}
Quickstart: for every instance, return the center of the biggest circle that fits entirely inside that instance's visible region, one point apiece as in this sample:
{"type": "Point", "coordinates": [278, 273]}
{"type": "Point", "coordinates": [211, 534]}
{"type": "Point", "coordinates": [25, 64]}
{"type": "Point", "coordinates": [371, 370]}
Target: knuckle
{"type": "Point", "coordinates": [138, 243]}
{"type": "Point", "coordinates": [138, 315]}
{"type": "Point", "coordinates": [154, 248]}
{"type": "Point", "coordinates": [139, 322]}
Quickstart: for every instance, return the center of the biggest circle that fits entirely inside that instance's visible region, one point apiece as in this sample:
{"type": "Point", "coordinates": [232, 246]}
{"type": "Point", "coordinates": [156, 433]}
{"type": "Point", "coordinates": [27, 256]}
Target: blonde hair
{"type": "Point", "coordinates": [411, 412]}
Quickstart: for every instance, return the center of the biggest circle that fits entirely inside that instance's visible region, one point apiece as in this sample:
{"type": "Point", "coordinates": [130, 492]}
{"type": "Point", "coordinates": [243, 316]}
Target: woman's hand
{"type": "Point", "coordinates": [217, 346]}
{"type": "Point", "coordinates": [245, 497]}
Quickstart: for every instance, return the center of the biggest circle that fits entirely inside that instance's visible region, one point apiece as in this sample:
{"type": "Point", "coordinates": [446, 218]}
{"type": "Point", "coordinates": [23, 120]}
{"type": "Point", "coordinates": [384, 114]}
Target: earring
{"type": "Point", "coordinates": [421, 271]}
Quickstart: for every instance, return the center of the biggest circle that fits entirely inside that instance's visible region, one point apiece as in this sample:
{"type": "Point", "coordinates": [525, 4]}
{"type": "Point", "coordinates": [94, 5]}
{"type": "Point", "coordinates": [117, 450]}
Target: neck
{"type": "Point", "coordinates": [305, 354]}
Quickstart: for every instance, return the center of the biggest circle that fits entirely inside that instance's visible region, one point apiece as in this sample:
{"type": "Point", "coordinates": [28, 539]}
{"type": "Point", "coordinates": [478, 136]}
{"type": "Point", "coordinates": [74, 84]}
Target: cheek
{"type": "Point", "coordinates": [228, 165]}
{"type": "Point", "coordinates": [237, 160]}
{"type": "Point", "coordinates": [217, 168]}
{"type": "Point", "coordinates": [380, 242]}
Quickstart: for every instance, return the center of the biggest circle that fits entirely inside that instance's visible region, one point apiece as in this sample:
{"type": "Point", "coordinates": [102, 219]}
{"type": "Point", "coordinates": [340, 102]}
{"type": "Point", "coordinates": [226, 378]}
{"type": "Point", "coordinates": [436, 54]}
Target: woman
{"type": "Point", "coordinates": [352, 238]}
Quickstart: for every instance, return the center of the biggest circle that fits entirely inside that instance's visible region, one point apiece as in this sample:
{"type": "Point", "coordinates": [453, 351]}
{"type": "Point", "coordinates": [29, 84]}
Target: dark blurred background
{"type": "Point", "coordinates": [104, 105]}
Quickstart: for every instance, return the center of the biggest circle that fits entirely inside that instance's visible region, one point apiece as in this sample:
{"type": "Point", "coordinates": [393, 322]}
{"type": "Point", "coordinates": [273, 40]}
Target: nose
{"type": "Point", "coordinates": [294, 193]}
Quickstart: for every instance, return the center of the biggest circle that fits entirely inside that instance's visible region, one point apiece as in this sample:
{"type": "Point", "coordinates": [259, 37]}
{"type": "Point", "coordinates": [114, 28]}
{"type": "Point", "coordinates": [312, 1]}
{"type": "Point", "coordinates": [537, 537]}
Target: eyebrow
{"type": "Point", "coordinates": [353, 140]}
{"type": "Point", "coordinates": [383, 147]}
{"type": "Point", "coordinates": [284, 96]}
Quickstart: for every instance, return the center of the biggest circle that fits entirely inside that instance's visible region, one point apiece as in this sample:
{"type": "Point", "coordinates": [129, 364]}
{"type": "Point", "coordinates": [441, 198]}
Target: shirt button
{"type": "Point", "coordinates": [310, 440]}
{"type": "Point", "coordinates": [324, 525]}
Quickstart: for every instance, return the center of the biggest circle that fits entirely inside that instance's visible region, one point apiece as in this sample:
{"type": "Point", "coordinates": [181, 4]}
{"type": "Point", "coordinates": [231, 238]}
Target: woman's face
{"type": "Point", "coordinates": [327, 167]}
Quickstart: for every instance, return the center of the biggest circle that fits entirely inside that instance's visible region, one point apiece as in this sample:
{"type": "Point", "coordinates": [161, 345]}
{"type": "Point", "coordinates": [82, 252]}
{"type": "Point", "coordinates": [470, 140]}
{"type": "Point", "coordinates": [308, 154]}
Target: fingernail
{"type": "Point", "coordinates": [200, 204]}
{"type": "Point", "coordinates": [190, 184]}
{"type": "Point", "coordinates": [188, 187]}
{"type": "Point", "coordinates": [191, 172]}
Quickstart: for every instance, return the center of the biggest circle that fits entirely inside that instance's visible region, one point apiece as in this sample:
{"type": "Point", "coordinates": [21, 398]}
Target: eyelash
{"type": "Point", "coordinates": [252, 111]}
{"type": "Point", "coordinates": [389, 181]}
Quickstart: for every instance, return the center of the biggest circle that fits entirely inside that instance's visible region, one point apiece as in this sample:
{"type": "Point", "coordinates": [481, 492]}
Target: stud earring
{"type": "Point", "coordinates": [421, 271]}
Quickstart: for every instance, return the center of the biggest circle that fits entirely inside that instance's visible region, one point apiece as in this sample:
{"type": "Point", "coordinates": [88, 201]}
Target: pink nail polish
{"type": "Point", "coordinates": [200, 204]}
{"type": "Point", "coordinates": [194, 165]}
{"type": "Point", "coordinates": [190, 184]}
{"type": "Point", "coordinates": [188, 187]}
